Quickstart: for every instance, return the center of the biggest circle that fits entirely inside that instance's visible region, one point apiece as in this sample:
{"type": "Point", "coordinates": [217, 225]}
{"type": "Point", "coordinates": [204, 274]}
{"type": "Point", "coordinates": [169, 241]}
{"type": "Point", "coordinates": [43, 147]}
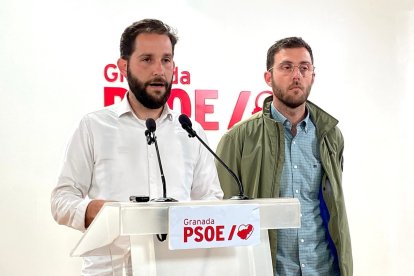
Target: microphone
{"type": "Point", "coordinates": [151, 127]}
{"type": "Point", "coordinates": [187, 125]}
{"type": "Point", "coordinates": [151, 138]}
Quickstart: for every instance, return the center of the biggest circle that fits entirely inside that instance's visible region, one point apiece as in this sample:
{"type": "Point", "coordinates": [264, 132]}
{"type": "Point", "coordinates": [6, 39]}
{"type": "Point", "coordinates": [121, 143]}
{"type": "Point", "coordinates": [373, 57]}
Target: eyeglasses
{"type": "Point", "coordinates": [305, 69]}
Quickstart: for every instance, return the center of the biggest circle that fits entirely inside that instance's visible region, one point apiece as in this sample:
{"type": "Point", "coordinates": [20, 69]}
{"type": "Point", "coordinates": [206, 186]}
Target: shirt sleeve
{"type": "Point", "coordinates": [69, 198]}
{"type": "Point", "coordinates": [206, 185]}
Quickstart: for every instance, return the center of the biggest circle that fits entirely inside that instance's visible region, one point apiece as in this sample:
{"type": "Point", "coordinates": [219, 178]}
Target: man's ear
{"type": "Point", "coordinates": [268, 78]}
{"type": "Point", "coordinates": [122, 66]}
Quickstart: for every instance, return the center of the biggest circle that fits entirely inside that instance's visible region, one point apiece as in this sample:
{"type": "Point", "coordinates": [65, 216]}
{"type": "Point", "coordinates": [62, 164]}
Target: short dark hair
{"type": "Point", "coordinates": [153, 26]}
{"type": "Point", "coordinates": [289, 42]}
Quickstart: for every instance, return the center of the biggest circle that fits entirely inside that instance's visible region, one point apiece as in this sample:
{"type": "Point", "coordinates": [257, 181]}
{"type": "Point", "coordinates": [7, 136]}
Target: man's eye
{"type": "Point", "coordinates": [304, 68]}
{"type": "Point", "coordinates": [286, 67]}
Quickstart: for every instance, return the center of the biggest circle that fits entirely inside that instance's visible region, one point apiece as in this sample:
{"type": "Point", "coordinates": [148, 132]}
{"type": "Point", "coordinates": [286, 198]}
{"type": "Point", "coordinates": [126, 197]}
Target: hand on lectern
{"type": "Point", "coordinates": [92, 210]}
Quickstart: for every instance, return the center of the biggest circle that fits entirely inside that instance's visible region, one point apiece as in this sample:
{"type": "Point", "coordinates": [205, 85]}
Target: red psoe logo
{"type": "Point", "coordinates": [245, 231]}
{"type": "Point", "coordinates": [202, 105]}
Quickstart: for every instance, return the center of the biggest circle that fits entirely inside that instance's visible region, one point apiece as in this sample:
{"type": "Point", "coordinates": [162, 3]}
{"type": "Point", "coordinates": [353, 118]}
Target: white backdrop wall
{"type": "Point", "coordinates": [53, 55]}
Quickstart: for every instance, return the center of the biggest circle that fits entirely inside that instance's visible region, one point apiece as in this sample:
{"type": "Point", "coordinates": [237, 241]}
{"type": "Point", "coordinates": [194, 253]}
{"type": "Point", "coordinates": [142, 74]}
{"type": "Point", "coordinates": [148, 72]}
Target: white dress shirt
{"type": "Point", "coordinates": [108, 158]}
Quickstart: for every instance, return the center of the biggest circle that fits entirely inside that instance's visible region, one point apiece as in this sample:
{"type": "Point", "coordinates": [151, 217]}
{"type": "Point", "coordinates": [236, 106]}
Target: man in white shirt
{"type": "Point", "coordinates": [108, 158]}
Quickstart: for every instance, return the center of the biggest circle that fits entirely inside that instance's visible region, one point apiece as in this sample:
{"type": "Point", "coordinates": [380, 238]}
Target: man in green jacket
{"type": "Point", "coordinates": [292, 148]}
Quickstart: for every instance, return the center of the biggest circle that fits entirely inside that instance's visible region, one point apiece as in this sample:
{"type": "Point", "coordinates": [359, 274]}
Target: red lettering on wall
{"type": "Point", "coordinates": [112, 74]}
{"type": "Point", "coordinates": [239, 108]}
{"type": "Point", "coordinates": [184, 77]}
{"type": "Point", "coordinates": [182, 96]}
{"type": "Point", "coordinates": [111, 92]}
{"type": "Point", "coordinates": [201, 108]}
{"type": "Point", "coordinates": [257, 106]}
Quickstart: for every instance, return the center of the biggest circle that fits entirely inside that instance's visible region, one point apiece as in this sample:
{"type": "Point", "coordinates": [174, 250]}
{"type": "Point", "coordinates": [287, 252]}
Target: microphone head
{"type": "Point", "coordinates": [150, 123]}
{"type": "Point", "coordinates": [185, 121]}
{"type": "Point", "coordinates": [187, 125]}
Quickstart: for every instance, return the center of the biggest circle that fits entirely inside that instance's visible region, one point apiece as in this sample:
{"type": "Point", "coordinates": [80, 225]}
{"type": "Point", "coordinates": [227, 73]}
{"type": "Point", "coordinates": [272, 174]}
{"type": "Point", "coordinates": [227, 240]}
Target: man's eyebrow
{"type": "Point", "coordinates": [291, 63]}
{"type": "Point", "coordinates": [144, 55]}
{"type": "Point", "coordinates": [151, 55]}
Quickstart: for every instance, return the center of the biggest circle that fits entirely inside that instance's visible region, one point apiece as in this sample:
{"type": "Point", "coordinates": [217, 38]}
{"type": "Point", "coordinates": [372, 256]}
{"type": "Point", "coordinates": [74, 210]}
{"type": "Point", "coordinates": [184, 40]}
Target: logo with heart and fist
{"type": "Point", "coordinates": [245, 231]}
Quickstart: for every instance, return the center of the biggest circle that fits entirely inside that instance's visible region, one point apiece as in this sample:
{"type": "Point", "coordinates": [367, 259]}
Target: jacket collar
{"type": "Point", "coordinates": [322, 120]}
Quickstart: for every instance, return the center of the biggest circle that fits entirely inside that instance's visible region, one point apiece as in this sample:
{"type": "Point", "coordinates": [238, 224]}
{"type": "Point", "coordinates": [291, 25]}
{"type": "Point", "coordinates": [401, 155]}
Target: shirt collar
{"type": "Point", "coordinates": [278, 117]}
{"type": "Point", "coordinates": [124, 107]}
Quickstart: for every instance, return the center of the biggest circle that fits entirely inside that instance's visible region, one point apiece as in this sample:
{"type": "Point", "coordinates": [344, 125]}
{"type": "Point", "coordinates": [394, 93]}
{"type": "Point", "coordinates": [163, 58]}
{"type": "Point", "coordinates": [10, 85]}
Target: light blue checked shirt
{"type": "Point", "coordinates": [302, 251]}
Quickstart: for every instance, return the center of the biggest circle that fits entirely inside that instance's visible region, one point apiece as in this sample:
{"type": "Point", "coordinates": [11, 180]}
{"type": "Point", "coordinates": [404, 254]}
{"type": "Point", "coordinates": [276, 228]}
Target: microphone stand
{"type": "Point", "coordinates": [241, 195]}
{"type": "Point", "coordinates": [151, 138]}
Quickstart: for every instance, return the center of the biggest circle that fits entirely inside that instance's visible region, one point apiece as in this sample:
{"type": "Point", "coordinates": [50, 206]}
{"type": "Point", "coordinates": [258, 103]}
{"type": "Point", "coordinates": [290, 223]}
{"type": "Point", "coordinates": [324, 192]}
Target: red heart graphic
{"type": "Point", "coordinates": [245, 231]}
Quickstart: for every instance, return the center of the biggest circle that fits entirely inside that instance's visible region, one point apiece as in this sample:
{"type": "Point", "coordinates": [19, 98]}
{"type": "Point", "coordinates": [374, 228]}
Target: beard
{"type": "Point", "coordinates": [287, 98]}
{"type": "Point", "coordinates": [139, 89]}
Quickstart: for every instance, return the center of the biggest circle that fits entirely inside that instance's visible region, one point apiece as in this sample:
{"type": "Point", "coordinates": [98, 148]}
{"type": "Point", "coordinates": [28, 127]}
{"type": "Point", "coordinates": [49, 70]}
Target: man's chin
{"type": "Point", "coordinates": [293, 102]}
{"type": "Point", "coordinates": [153, 104]}
{"type": "Point", "coordinates": [156, 102]}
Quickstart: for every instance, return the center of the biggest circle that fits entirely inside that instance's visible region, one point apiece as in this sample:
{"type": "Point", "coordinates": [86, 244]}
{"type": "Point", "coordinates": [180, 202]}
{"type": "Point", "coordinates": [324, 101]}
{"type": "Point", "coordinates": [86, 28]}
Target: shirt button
{"type": "Point", "coordinates": [297, 191]}
{"type": "Point", "coordinates": [295, 167]}
{"type": "Point", "coordinates": [302, 240]}
{"type": "Point", "coordinates": [294, 142]}
{"type": "Point", "coordinates": [303, 265]}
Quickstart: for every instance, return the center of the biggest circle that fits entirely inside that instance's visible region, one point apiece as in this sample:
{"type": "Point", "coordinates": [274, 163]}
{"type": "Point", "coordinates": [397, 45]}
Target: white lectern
{"type": "Point", "coordinates": [129, 229]}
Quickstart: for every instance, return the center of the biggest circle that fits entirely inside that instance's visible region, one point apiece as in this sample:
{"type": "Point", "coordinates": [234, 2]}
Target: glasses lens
{"type": "Point", "coordinates": [305, 69]}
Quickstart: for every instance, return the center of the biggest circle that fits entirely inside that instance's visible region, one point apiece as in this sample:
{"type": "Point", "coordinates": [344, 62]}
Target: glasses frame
{"type": "Point", "coordinates": [286, 73]}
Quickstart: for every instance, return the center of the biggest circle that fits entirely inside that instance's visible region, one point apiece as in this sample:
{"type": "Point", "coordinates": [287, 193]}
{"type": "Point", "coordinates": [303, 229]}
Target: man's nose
{"type": "Point", "coordinates": [296, 72]}
{"type": "Point", "coordinates": [158, 68]}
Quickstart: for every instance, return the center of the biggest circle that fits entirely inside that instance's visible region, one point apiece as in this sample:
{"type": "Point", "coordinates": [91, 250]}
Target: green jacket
{"type": "Point", "coordinates": [254, 150]}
